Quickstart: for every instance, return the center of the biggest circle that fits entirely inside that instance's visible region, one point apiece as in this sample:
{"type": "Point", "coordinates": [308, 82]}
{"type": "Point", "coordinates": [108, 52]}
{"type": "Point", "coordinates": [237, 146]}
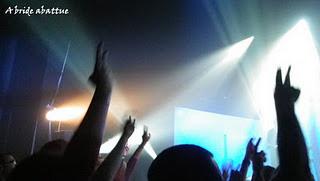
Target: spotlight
{"type": "Point", "coordinates": [236, 51]}
{"type": "Point", "coordinates": [65, 113]}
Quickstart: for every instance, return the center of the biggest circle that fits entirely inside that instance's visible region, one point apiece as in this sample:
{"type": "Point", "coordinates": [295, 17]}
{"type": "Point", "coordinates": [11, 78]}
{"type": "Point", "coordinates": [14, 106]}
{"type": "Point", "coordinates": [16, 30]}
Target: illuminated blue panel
{"type": "Point", "coordinates": [225, 136]}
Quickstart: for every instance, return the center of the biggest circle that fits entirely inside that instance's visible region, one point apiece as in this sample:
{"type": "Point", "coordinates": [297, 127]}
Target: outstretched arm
{"type": "Point", "coordinates": [250, 151]}
{"type": "Point", "coordinates": [246, 160]}
{"type": "Point", "coordinates": [83, 149]}
{"type": "Point", "coordinates": [111, 163]}
{"type": "Point", "coordinates": [136, 155]}
{"type": "Point", "coordinates": [293, 155]}
{"type": "Point", "coordinates": [258, 165]}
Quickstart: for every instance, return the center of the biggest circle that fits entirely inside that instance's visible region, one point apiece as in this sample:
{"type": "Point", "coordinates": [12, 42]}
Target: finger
{"type": "Point", "coordinates": [97, 63]}
{"type": "Point", "coordinates": [287, 80]}
{"type": "Point", "coordinates": [250, 141]}
{"type": "Point", "coordinates": [257, 144]}
{"type": "Point", "coordinates": [98, 48]}
{"type": "Point", "coordinates": [99, 51]}
{"type": "Point", "coordinates": [104, 62]}
{"type": "Point", "coordinates": [279, 77]}
{"type": "Point", "coordinates": [134, 122]}
{"type": "Point", "coordinates": [127, 122]}
{"type": "Point", "coordinates": [145, 128]}
{"type": "Point", "coordinates": [105, 55]}
{"type": "Point", "coordinates": [295, 94]}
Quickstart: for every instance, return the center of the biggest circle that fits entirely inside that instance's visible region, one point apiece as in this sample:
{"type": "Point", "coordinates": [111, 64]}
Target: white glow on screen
{"type": "Point", "coordinates": [225, 136]}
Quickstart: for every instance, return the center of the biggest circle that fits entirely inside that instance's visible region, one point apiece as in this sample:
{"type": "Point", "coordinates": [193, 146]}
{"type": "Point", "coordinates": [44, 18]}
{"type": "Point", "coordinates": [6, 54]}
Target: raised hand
{"type": "Point", "coordinates": [226, 169]}
{"type": "Point", "coordinates": [146, 136]}
{"type": "Point", "coordinates": [109, 167]}
{"type": "Point", "coordinates": [101, 75]}
{"type": "Point", "coordinates": [258, 159]}
{"type": "Point", "coordinates": [292, 149]}
{"type": "Point", "coordinates": [285, 95]}
{"type": "Point", "coordinates": [88, 136]}
{"type": "Point", "coordinates": [129, 127]}
{"type": "Point", "coordinates": [251, 148]}
{"type": "Point", "coordinates": [250, 152]}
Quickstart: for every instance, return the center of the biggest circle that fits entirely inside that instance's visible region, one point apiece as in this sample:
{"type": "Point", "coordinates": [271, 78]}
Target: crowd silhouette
{"type": "Point", "coordinates": [78, 158]}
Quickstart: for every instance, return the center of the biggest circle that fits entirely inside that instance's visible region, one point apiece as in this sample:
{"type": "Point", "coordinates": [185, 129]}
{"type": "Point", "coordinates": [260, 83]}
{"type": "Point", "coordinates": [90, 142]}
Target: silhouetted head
{"type": "Point", "coordinates": [55, 147]}
{"type": "Point", "coordinates": [184, 162]}
{"type": "Point", "coordinates": [36, 168]}
{"type": "Point", "coordinates": [268, 172]}
{"type": "Point", "coordinates": [7, 164]}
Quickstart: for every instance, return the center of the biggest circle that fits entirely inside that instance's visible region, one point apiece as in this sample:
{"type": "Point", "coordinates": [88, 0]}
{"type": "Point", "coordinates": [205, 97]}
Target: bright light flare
{"type": "Point", "coordinates": [150, 150]}
{"type": "Point", "coordinates": [65, 113]}
{"type": "Point", "coordinates": [236, 51]}
{"type": "Point", "coordinates": [110, 144]}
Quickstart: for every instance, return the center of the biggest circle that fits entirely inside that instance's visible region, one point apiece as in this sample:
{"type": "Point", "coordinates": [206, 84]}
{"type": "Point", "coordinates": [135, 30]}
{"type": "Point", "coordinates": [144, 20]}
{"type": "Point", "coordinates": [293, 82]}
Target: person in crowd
{"type": "Point", "coordinates": [114, 167]}
{"type": "Point", "coordinates": [55, 147]}
{"type": "Point", "coordinates": [260, 171]}
{"type": "Point", "coordinates": [250, 153]}
{"type": "Point", "coordinates": [7, 164]}
{"type": "Point", "coordinates": [292, 149]}
{"type": "Point", "coordinates": [268, 172]}
{"type": "Point", "coordinates": [184, 162]}
{"type": "Point", "coordinates": [79, 158]}
{"type": "Point", "coordinates": [126, 169]}
{"type": "Point", "coordinates": [241, 175]}
{"type": "Point", "coordinates": [108, 168]}
{"type": "Point", "coordinates": [258, 160]}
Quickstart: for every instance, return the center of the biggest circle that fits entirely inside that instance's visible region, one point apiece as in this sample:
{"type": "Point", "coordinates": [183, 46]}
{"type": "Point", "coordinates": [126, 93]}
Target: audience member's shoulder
{"type": "Point", "coordinates": [37, 167]}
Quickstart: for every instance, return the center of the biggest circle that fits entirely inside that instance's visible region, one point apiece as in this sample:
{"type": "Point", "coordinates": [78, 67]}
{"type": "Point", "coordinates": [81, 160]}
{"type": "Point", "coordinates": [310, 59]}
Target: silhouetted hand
{"type": "Point", "coordinates": [285, 95]}
{"type": "Point", "coordinates": [226, 169]}
{"type": "Point", "coordinates": [146, 136]}
{"type": "Point", "coordinates": [235, 176]}
{"type": "Point", "coordinates": [101, 73]}
{"type": "Point", "coordinates": [251, 148]}
{"type": "Point", "coordinates": [257, 161]}
{"type": "Point", "coordinates": [129, 127]}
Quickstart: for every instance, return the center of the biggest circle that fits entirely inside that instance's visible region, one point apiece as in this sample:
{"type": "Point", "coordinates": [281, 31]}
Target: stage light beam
{"type": "Point", "coordinates": [236, 51]}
